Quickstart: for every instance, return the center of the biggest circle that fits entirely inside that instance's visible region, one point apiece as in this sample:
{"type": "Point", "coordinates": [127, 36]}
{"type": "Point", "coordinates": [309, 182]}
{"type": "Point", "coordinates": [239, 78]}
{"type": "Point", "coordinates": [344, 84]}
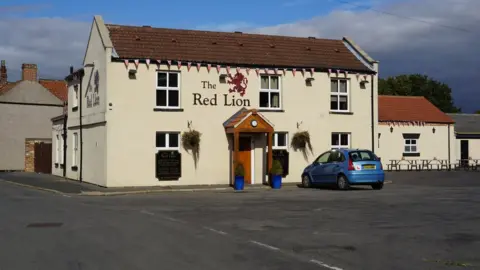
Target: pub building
{"type": "Point", "coordinates": [149, 94]}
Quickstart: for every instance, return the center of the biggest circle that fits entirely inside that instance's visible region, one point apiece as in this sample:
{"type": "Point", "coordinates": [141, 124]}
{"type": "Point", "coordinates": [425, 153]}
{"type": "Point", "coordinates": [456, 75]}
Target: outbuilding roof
{"type": "Point", "coordinates": [466, 123]}
{"type": "Point", "coordinates": [145, 42]}
{"type": "Point", "coordinates": [410, 109]}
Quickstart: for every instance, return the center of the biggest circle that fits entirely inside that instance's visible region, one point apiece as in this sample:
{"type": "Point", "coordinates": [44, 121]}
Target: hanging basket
{"type": "Point", "coordinates": [301, 142]}
{"type": "Point", "coordinates": [191, 143]}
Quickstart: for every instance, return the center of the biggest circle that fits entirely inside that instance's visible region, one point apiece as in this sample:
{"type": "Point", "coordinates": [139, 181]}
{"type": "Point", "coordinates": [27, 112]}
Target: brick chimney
{"type": "Point", "coordinates": [29, 72]}
{"type": "Point", "coordinates": [3, 73]}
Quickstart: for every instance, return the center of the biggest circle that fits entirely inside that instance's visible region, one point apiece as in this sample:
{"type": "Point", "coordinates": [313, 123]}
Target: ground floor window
{"type": "Point", "coordinates": [280, 140]}
{"type": "Point", "coordinates": [340, 140]}
{"type": "Point", "coordinates": [167, 140]}
{"type": "Point", "coordinates": [411, 146]}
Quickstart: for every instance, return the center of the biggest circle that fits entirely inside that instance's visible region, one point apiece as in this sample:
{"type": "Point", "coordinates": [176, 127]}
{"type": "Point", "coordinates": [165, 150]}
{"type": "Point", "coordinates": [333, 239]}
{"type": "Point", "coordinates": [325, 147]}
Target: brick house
{"type": "Point", "coordinates": [26, 107]}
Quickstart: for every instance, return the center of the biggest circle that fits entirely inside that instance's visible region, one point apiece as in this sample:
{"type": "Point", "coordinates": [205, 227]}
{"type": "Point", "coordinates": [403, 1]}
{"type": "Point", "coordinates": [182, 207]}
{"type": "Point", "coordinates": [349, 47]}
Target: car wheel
{"type": "Point", "coordinates": [342, 183]}
{"type": "Point", "coordinates": [306, 181]}
{"type": "Point", "coordinates": [377, 186]}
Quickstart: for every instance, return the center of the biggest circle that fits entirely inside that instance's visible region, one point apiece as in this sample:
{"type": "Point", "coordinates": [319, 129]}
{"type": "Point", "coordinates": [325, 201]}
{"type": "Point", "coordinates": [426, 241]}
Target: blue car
{"type": "Point", "coordinates": [345, 167]}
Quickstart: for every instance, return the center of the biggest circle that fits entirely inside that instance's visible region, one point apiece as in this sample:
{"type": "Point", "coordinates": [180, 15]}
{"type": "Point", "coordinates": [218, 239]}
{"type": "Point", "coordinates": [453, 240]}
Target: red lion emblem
{"type": "Point", "coordinates": [239, 83]}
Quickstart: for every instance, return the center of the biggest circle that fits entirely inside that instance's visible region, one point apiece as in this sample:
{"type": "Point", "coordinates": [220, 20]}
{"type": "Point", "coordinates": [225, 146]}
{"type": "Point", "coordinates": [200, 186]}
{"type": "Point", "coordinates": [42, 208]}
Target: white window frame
{"type": "Point", "coordinates": [269, 90]}
{"type": "Point", "coordinates": [410, 145]}
{"type": "Point", "coordinates": [168, 88]}
{"type": "Point", "coordinates": [167, 140]}
{"type": "Point", "coordinates": [275, 141]}
{"type": "Point", "coordinates": [75, 96]}
{"type": "Point", "coordinates": [57, 151]}
{"type": "Point", "coordinates": [339, 94]}
{"type": "Point", "coordinates": [339, 134]}
{"type": "Point", "coordinates": [74, 149]}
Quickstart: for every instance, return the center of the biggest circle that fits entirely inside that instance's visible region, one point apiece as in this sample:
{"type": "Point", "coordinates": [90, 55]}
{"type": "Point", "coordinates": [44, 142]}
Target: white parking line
{"type": "Point", "coordinates": [264, 245]}
{"type": "Point", "coordinates": [66, 196]}
{"type": "Point", "coordinates": [173, 219]}
{"type": "Point", "coordinates": [215, 231]}
{"type": "Point", "coordinates": [325, 265]}
{"type": "Point", "coordinates": [147, 212]}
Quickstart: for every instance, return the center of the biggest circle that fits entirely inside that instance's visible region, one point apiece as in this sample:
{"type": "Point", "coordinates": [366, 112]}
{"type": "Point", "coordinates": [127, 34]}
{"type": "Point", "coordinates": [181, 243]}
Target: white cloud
{"type": "Point", "coordinates": [52, 43]}
{"type": "Point", "coordinates": [441, 39]}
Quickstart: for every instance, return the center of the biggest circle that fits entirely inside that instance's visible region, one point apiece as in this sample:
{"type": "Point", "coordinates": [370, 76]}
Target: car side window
{"type": "Point", "coordinates": [323, 158]}
{"type": "Point", "coordinates": [336, 157]}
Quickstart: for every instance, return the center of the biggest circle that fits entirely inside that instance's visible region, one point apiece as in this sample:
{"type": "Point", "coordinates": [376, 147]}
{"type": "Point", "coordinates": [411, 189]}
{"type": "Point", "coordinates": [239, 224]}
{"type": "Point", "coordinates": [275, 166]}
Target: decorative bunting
{"type": "Point", "coordinates": [346, 73]}
{"type": "Point", "coordinates": [159, 62]}
{"type": "Point", "coordinates": [365, 77]}
{"type": "Point", "coordinates": [238, 70]}
{"type": "Point", "coordinates": [303, 72]}
{"type": "Point", "coordinates": [293, 71]}
{"type": "Point", "coordinates": [218, 68]}
{"type": "Point", "coordinates": [126, 63]}
{"type": "Point", "coordinates": [169, 62]}
{"type": "Point", "coordinates": [257, 70]}
{"type": "Point", "coordinates": [147, 61]}
{"type": "Point", "coordinates": [266, 70]}
{"type": "Point", "coordinates": [189, 65]}
{"type": "Point", "coordinates": [248, 71]}
{"type": "Point", "coordinates": [312, 70]}
{"type": "Point", "coordinates": [228, 69]}
{"type": "Point", "coordinates": [198, 66]}
{"type": "Point", "coordinates": [284, 71]}
{"type": "Point", "coordinates": [276, 71]}
{"type": "Point", "coordinates": [329, 72]}
{"type": "Point", "coordinates": [209, 66]}
{"type": "Point", "coordinates": [338, 72]}
{"type": "Point", "coordinates": [358, 75]}
{"type": "Point", "coordinates": [179, 64]}
{"type": "Point", "coordinates": [136, 61]}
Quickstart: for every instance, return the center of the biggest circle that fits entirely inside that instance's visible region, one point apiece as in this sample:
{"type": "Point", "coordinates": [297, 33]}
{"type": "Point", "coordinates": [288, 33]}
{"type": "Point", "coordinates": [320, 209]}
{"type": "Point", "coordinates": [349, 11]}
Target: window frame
{"type": "Point", "coordinates": [339, 94]}
{"type": "Point", "coordinates": [340, 146]}
{"type": "Point", "coordinates": [74, 148]}
{"type": "Point", "coordinates": [168, 89]}
{"type": "Point", "coordinates": [275, 141]}
{"type": "Point", "coordinates": [269, 90]}
{"type": "Point", "coordinates": [167, 141]}
{"type": "Point", "coordinates": [405, 144]}
{"type": "Point", "coordinates": [75, 96]}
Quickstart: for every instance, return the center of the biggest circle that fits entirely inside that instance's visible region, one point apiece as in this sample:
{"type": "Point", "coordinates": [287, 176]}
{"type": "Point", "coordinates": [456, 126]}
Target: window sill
{"type": "Point", "coordinates": [270, 110]}
{"type": "Point", "coordinates": [411, 154]}
{"type": "Point", "coordinates": [167, 109]}
{"type": "Point", "coordinates": [74, 109]}
{"type": "Point", "coordinates": [341, 112]}
{"type": "Point", "coordinates": [74, 168]}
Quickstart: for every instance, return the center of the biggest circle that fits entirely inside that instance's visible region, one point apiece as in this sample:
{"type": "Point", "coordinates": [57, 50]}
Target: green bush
{"type": "Point", "coordinates": [239, 170]}
{"type": "Point", "coordinates": [277, 168]}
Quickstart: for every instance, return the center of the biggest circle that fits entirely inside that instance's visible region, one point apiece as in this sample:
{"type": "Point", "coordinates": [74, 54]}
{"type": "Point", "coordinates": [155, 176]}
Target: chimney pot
{"type": "Point", "coordinates": [71, 69]}
{"type": "Point", "coordinates": [29, 72]}
{"type": "Point", "coordinates": [3, 73]}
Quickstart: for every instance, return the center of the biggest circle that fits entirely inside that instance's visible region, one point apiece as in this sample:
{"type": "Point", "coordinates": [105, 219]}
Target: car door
{"type": "Point", "coordinates": [333, 166]}
{"type": "Point", "coordinates": [318, 173]}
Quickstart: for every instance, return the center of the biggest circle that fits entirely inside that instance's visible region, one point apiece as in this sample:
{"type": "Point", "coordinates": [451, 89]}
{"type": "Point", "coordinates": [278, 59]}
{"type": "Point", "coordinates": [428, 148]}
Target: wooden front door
{"type": "Point", "coordinates": [43, 157]}
{"type": "Point", "coordinates": [245, 157]}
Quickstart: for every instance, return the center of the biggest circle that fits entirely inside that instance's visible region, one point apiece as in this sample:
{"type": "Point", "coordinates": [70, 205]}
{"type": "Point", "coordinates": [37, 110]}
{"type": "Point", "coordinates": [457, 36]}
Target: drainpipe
{"type": "Point", "coordinates": [80, 94]}
{"type": "Point", "coordinates": [449, 164]}
{"type": "Point", "coordinates": [372, 99]}
{"type": "Point", "coordinates": [65, 139]}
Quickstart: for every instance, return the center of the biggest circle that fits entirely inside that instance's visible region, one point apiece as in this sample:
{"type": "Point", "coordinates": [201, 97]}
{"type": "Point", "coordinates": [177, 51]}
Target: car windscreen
{"type": "Point", "coordinates": [362, 155]}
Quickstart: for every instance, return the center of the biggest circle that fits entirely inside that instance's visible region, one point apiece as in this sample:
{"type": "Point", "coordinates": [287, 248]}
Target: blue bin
{"type": "Point", "coordinates": [239, 183]}
{"type": "Point", "coordinates": [276, 181]}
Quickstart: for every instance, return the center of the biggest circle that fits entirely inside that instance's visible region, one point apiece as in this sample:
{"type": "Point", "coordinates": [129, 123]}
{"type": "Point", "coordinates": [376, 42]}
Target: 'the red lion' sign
{"type": "Point", "coordinates": [239, 83]}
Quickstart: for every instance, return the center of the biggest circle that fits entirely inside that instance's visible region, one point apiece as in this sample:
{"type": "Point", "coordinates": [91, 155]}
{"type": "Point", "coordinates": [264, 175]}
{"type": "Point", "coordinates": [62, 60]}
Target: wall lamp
{"type": "Point", "coordinates": [132, 73]}
{"type": "Point", "coordinates": [433, 129]}
{"type": "Point", "coordinates": [223, 78]}
{"type": "Point", "coordinates": [308, 81]}
{"type": "Point", "coordinates": [391, 129]}
{"type": "Point", "coordinates": [363, 84]}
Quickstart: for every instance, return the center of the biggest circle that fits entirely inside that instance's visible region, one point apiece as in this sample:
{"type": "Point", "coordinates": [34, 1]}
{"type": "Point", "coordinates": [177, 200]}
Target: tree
{"type": "Point", "coordinates": [477, 112]}
{"type": "Point", "coordinates": [436, 92]}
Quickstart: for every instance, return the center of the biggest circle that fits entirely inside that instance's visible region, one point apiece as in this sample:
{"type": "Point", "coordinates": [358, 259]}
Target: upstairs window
{"type": "Point", "coordinates": [339, 95]}
{"type": "Point", "coordinates": [270, 97]}
{"type": "Point", "coordinates": [168, 90]}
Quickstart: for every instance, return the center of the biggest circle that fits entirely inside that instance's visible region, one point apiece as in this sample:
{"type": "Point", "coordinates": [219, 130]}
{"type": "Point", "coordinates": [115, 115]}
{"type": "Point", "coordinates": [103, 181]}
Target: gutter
{"type": "Point", "coordinates": [372, 111]}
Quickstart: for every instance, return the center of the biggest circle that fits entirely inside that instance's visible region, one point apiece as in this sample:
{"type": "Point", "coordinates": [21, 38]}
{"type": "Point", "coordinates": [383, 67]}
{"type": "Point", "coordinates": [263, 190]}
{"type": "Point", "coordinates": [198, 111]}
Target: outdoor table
{"type": "Point", "coordinates": [426, 164]}
{"type": "Point", "coordinates": [413, 163]}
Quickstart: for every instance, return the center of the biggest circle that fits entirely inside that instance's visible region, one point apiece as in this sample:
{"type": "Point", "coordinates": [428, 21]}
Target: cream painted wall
{"type": "Point", "coordinates": [132, 122]}
{"type": "Point", "coordinates": [57, 148]}
{"type": "Point", "coordinates": [430, 145]}
{"type": "Point", "coordinates": [473, 148]}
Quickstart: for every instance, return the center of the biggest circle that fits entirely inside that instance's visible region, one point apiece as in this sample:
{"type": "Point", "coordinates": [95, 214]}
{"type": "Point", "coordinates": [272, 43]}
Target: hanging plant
{"type": "Point", "coordinates": [191, 142]}
{"type": "Point", "coordinates": [301, 142]}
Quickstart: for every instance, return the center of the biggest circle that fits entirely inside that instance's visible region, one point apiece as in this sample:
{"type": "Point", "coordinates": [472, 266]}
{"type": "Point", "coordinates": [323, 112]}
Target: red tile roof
{"type": "Point", "coordinates": [57, 88]}
{"type": "Point", "coordinates": [134, 42]}
{"type": "Point", "coordinates": [410, 108]}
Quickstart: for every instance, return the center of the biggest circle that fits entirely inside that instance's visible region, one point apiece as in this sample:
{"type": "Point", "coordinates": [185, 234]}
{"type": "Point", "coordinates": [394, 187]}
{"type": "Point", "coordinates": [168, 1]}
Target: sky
{"type": "Point", "coordinates": [438, 38]}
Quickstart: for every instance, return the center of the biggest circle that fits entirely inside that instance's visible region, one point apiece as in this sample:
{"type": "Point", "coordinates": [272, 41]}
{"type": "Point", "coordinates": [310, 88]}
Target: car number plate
{"type": "Point", "coordinates": [369, 167]}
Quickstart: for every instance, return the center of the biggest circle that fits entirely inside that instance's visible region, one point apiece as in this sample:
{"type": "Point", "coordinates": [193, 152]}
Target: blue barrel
{"type": "Point", "coordinates": [276, 181]}
{"type": "Point", "coordinates": [239, 183]}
